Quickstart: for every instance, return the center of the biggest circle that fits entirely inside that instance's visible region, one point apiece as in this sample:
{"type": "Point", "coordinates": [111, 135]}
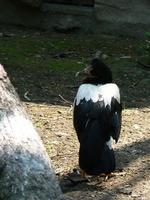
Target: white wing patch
{"type": "Point", "coordinates": [98, 93]}
{"type": "Point", "coordinates": [109, 143]}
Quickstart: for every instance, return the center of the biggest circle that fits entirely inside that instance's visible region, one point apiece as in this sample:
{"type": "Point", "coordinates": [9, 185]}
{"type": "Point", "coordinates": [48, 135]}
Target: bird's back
{"type": "Point", "coordinates": [93, 123]}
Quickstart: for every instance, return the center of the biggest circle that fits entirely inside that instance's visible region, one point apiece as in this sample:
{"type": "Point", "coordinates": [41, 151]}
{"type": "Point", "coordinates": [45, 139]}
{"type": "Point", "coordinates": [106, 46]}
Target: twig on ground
{"type": "Point", "coordinates": [66, 101]}
{"type": "Point", "coordinates": [26, 96]}
{"type": "Point", "coordinates": [71, 108]}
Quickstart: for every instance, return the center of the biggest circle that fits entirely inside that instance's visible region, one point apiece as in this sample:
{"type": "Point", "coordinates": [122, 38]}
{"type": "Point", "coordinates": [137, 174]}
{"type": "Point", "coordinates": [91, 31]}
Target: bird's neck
{"type": "Point", "coordinates": [96, 81]}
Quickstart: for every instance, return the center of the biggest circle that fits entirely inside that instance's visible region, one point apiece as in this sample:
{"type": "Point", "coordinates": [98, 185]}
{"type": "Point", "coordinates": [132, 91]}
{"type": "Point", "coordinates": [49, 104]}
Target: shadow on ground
{"type": "Point", "coordinates": [126, 158]}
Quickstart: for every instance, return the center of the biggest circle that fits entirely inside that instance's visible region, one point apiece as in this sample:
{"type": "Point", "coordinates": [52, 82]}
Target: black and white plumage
{"type": "Point", "coordinates": [97, 119]}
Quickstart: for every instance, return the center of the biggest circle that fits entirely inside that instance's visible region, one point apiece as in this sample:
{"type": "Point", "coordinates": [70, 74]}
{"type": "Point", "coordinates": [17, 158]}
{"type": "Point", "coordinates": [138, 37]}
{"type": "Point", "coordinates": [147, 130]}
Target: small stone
{"type": "Point", "coordinates": [136, 126]}
{"type": "Point", "coordinates": [66, 24]}
{"type": "Point", "coordinates": [75, 179]}
{"type": "Point", "coordinates": [127, 190]}
{"type": "Point", "coordinates": [9, 34]}
{"type": "Point", "coordinates": [125, 57]}
{"type": "Point", "coordinates": [92, 195]}
{"type": "Point", "coordinates": [38, 56]}
{"type": "Point", "coordinates": [135, 195]}
{"type": "Point", "coordinates": [104, 56]}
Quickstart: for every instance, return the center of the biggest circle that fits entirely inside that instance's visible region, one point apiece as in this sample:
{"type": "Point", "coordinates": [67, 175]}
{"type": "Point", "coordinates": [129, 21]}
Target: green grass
{"type": "Point", "coordinates": [38, 52]}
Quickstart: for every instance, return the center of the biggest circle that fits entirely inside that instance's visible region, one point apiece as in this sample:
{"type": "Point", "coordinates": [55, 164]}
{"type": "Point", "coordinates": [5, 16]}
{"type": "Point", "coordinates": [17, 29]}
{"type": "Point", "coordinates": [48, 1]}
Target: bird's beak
{"type": "Point", "coordinates": [85, 72]}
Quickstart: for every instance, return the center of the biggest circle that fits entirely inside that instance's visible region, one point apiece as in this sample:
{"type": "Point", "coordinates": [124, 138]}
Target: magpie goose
{"type": "Point", "coordinates": [97, 119]}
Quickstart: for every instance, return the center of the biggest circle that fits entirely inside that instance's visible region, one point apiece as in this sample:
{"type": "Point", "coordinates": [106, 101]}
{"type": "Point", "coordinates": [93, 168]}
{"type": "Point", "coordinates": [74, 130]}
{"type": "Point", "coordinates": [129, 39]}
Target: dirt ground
{"type": "Point", "coordinates": [48, 98]}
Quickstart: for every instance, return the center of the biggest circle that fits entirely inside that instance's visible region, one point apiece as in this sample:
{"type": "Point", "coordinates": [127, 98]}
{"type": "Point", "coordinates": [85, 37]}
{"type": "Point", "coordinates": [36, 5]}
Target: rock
{"type": "Point", "coordinates": [76, 179]}
{"type": "Point", "coordinates": [67, 24]}
{"type": "Point", "coordinates": [126, 189]}
{"type": "Point", "coordinates": [104, 56]}
{"type": "Point", "coordinates": [8, 34]}
{"type": "Point", "coordinates": [60, 55]}
{"type": "Point", "coordinates": [25, 169]}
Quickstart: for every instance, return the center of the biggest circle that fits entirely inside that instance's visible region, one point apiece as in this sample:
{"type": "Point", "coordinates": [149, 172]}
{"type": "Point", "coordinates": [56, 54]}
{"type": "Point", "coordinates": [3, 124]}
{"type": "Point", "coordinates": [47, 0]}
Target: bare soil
{"type": "Point", "coordinates": [48, 98]}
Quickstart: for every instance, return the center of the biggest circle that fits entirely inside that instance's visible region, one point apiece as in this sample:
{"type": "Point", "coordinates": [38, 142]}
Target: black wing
{"type": "Point", "coordinates": [108, 117]}
{"type": "Point", "coordinates": [116, 110]}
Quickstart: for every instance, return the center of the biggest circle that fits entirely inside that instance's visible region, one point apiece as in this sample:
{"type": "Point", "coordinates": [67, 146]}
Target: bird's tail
{"type": "Point", "coordinates": [95, 156]}
{"type": "Point", "coordinates": [100, 162]}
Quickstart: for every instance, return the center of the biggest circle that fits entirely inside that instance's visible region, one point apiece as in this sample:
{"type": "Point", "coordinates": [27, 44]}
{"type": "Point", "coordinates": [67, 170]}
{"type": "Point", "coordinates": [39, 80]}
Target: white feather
{"type": "Point", "coordinates": [98, 93]}
{"type": "Point", "coordinates": [109, 143]}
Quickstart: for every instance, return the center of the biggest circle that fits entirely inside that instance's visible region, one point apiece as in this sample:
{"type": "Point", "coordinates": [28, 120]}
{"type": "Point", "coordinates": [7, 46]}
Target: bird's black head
{"type": "Point", "coordinates": [97, 73]}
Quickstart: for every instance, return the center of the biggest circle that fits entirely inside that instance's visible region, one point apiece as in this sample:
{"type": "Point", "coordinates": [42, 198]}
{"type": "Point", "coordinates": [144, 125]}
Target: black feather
{"type": "Point", "coordinates": [100, 73]}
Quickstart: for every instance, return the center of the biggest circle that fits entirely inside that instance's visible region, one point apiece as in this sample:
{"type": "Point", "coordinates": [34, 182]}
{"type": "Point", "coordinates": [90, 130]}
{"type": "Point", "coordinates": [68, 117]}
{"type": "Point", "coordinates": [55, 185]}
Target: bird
{"type": "Point", "coordinates": [97, 116]}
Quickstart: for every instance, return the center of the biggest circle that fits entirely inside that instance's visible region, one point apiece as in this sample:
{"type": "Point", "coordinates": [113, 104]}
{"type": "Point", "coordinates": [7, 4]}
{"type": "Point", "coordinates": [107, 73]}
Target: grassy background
{"type": "Point", "coordinates": [36, 61]}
